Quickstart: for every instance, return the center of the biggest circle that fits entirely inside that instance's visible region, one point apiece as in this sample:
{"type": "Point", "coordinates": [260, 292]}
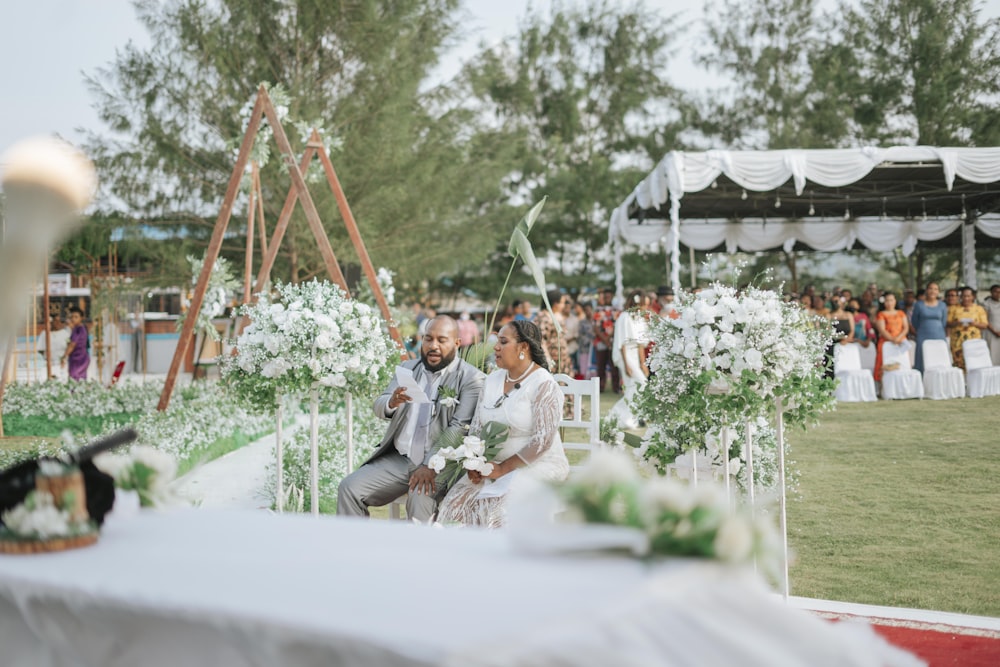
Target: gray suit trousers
{"type": "Point", "coordinates": [378, 483]}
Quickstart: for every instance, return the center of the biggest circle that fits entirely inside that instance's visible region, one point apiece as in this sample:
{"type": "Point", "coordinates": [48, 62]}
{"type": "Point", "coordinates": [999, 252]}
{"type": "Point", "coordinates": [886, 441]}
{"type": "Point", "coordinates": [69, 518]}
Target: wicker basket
{"type": "Point", "coordinates": [21, 546]}
{"type": "Point", "coordinates": [57, 486]}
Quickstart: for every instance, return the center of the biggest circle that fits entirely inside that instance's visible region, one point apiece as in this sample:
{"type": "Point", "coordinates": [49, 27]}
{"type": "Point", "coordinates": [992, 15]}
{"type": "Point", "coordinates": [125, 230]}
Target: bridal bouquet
{"type": "Point", "coordinates": [664, 516]}
{"type": "Point", "coordinates": [727, 357]}
{"type": "Point", "coordinates": [470, 452]}
{"type": "Point", "coordinates": [309, 335]}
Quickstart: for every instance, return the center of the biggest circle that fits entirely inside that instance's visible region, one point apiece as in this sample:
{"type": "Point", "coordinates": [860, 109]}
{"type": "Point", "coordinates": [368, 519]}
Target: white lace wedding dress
{"type": "Point", "coordinates": [532, 413]}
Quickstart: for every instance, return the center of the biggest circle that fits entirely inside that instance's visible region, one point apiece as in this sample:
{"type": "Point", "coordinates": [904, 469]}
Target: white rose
{"type": "Point", "coordinates": [474, 445]}
{"type": "Point", "coordinates": [436, 462]}
{"type": "Point", "coordinates": [706, 339]}
{"type": "Point", "coordinates": [754, 360]}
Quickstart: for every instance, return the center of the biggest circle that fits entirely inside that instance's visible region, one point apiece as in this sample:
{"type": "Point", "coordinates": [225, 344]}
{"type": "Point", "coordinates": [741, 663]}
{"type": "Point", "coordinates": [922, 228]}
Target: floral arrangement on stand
{"type": "Point", "coordinates": [727, 358]}
{"type": "Point", "coordinates": [310, 339]}
{"type": "Point", "coordinates": [309, 335]}
{"type": "Point", "coordinates": [459, 453]}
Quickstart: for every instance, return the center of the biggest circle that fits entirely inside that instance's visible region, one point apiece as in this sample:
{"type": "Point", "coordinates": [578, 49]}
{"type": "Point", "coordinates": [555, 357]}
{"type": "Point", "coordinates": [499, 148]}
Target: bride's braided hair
{"type": "Point", "coordinates": [528, 332]}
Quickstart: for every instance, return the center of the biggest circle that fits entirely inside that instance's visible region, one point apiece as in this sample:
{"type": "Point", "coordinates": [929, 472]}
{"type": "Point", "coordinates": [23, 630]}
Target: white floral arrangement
{"type": "Point", "coordinates": [220, 283]}
{"type": "Point", "coordinates": [726, 358]}
{"type": "Point", "coordinates": [200, 415]}
{"type": "Point", "coordinates": [309, 335]}
{"type": "Point", "coordinates": [665, 516]}
{"type": "Point", "coordinates": [40, 517]}
{"type": "Point", "coordinates": [145, 470]}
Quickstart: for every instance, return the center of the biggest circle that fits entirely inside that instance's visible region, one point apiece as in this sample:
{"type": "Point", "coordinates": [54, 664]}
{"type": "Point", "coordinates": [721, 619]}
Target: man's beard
{"type": "Point", "coordinates": [445, 360]}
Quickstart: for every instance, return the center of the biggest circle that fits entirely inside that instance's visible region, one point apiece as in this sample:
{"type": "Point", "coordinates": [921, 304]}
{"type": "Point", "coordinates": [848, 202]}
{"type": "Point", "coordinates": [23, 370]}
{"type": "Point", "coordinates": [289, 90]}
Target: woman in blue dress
{"type": "Point", "coordinates": [928, 321]}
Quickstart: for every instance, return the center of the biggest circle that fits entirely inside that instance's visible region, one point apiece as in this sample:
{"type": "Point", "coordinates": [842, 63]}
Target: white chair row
{"type": "Point", "coordinates": [940, 379]}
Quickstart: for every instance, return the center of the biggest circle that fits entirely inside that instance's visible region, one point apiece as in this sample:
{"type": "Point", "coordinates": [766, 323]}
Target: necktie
{"type": "Point", "coordinates": [421, 432]}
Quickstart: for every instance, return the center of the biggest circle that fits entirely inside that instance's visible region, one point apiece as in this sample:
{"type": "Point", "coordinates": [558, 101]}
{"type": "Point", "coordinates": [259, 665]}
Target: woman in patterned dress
{"type": "Point", "coordinates": [966, 321]}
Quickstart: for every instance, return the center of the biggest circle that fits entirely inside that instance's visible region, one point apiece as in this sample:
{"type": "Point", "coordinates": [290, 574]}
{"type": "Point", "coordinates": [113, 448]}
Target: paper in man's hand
{"type": "Point", "coordinates": [405, 379]}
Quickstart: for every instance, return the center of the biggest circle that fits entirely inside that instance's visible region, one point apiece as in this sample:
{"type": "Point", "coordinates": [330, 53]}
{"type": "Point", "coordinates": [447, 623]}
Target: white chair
{"type": "Point", "coordinates": [902, 381]}
{"type": "Point", "coordinates": [941, 379]}
{"type": "Point", "coordinates": [584, 393]}
{"type": "Point", "coordinates": [854, 383]}
{"type": "Point", "coordinates": [982, 377]}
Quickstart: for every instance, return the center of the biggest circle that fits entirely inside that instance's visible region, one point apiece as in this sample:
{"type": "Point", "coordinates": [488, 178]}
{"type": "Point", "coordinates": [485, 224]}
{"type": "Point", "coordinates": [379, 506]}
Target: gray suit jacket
{"type": "Point", "coordinates": [464, 378]}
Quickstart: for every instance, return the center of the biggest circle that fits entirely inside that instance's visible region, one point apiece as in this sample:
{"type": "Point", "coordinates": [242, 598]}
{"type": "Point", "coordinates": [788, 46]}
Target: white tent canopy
{"type": "Point", "coordinates": [827, 199]}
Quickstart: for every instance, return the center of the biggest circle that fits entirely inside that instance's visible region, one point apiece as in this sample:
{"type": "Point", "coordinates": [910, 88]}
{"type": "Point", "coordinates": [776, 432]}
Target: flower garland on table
{"type": "Point", "coordinates": [310, 334]}
{"type": "Point", "coordinates": [668, 516]}
{"type": "Point", "coordinates": [725, 359]}
{"type": "Point", "coordinates": [146, 470]}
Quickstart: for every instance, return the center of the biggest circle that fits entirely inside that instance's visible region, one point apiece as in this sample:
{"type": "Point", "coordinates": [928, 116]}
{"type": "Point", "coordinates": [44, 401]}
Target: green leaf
{"type": "Point", "coordinates": [525, 225]}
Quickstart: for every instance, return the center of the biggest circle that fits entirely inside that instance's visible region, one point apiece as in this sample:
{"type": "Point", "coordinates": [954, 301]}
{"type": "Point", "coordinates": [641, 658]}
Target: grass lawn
{"type": "Point", "coordinates": [899, 505]}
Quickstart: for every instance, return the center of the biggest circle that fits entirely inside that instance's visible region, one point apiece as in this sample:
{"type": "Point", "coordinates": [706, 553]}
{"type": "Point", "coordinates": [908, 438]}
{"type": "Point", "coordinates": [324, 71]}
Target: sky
{"type": "Point", "coordinates": [47, 45]}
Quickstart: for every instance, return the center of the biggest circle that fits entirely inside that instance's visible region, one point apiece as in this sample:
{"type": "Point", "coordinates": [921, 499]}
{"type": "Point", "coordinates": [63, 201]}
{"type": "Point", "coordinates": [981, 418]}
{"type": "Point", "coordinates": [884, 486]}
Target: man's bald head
{"type": "Point", "coordinates": [440, 342]}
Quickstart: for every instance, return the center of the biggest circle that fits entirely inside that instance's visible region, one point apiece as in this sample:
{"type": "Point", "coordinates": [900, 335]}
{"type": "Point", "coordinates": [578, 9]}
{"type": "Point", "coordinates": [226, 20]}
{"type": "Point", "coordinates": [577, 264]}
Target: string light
{"type": "Point", "coordinates": [923, 205]}
{"type": "Point", "coordinates": [847, 209]}
{"type": "Point", "coordinates": [777, 201]}
{"type": "Point", "coordinates": [744, 195]}
{"type": "Point", "coordinates": [812, 209]}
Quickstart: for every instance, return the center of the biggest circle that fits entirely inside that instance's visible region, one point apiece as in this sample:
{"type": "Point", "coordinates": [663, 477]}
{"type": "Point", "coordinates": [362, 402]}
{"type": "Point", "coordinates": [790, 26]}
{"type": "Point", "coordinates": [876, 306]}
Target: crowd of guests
{"type": "Point", "coordinates": [911, 318]}
{"type": "Point", "coordinates": [604, 337]}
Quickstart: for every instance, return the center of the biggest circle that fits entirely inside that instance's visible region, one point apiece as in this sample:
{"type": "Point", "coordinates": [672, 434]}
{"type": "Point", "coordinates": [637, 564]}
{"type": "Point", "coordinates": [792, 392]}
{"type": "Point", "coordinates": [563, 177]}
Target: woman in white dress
{"type": "Point", "coordinates": [629, 354]}
{"type": "Point", "coordinates": [522, 394]}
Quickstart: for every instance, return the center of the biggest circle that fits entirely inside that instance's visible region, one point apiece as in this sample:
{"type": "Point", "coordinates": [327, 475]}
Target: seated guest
{"type": "Point", "coordinates": [864, 332]}
{"type": "Point", "coordinates": [525, 397]}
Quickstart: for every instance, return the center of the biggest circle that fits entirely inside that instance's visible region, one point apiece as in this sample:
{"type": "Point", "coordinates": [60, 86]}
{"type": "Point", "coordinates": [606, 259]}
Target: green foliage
{"type": "Point", "coordinates": [43, 426]}
{"type": "Point", "coordinates": [923, 72]}
{"type": "Point", "coordinates": [764, 47]}
{"type": "Point", "coordinates": [582, 96]}
{"type": "Point", "coordinates": [416, 166]}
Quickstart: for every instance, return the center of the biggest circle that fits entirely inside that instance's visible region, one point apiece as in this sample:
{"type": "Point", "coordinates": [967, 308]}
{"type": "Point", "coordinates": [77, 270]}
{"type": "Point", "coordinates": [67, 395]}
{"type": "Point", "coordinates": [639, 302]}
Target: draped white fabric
{"type": "Point", "coordinates": [679, 173]}
{"type": "Point", "coordinates": [202, 588]}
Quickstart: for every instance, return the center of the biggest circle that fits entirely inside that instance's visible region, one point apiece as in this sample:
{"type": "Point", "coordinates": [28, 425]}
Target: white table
{"type": "Point", "coordinates": [190, 588]}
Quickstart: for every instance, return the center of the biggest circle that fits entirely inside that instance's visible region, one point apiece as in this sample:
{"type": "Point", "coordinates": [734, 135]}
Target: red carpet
{"type": "Point", "coordinates": [945, 646]}
{"type": "Point", "coordinates": [939, 645]}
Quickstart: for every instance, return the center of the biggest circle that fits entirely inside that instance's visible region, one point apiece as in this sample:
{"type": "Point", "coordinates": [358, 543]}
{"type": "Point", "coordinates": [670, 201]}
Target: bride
{"type": "Point", "coordinates": [522, 394]}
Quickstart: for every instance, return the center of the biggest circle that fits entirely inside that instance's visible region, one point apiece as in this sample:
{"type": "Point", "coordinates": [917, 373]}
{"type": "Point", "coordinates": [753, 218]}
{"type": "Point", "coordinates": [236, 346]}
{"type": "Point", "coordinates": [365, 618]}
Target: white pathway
{"type": "Point", "coordinates": [237, 480]}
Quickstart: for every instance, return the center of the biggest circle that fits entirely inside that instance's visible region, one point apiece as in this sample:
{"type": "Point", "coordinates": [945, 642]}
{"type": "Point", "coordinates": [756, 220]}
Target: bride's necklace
{"type": "Point", "coordinates": [523, 375]}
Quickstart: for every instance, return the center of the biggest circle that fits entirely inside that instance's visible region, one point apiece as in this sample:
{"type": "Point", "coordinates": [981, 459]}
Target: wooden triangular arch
{"type": "Point", "coordinates": [298, 191]}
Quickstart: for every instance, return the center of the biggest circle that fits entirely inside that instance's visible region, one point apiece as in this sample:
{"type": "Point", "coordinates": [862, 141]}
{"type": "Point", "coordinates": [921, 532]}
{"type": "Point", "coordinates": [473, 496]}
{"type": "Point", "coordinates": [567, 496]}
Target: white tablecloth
{"type": "Point", "coordinates": [192, 588]}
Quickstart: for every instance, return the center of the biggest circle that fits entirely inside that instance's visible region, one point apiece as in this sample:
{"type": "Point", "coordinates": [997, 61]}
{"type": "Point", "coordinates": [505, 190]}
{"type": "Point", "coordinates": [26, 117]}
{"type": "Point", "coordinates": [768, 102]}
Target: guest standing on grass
{"type": "Point", "coordinates": [892, 326]}
{"type": "Point", "coordinates": [399, 464]}
{"type": "Point", "coordinates": [554, 340]}
{"type": "Point", "coordinates": [629, 348]}
{"type": "Point", "coordinates": [77, 355]}
{"type": "Point", "coordinates": [992, 333]}
{"type": "Point", "coordinates": [928, 319]}
{"type": "Point", "coordinates": [966, 321]}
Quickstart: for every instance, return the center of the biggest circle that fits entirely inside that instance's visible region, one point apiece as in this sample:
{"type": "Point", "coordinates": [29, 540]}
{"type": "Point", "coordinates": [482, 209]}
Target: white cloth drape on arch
{"type": "Point", "coordinates": [682, 172]}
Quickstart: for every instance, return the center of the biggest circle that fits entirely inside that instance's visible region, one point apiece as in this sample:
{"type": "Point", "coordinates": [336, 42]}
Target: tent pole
{"type": "Point", "coordinates": [694, 272]}
{"type": "Point", "coordinates": [969, 250]}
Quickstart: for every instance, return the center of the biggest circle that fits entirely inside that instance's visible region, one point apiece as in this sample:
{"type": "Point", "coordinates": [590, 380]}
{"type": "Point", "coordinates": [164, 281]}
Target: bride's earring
{"type": "Point", "coordinates": [521, 356]}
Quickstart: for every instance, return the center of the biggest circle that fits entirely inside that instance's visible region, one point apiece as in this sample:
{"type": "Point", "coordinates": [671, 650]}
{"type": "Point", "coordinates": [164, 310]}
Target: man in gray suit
{"type": "Point", "coordinates": [399, 464]}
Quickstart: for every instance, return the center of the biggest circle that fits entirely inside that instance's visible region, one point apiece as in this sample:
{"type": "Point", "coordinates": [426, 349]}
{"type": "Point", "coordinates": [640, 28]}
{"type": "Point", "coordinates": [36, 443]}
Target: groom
{"type": "Point", "coordinates": [399, 464]}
